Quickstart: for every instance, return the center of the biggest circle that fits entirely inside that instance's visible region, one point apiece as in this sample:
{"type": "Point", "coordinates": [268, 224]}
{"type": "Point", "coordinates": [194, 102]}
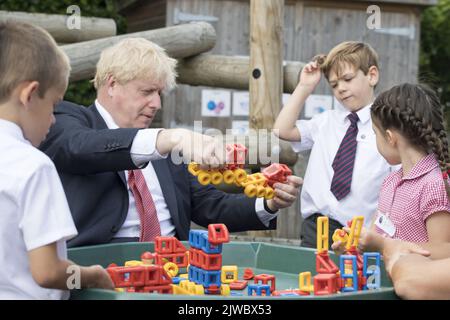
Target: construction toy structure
{"type": "Point", "coordinates": [257, 184]}
{"type": "Point", "coordinates": [354, 272]}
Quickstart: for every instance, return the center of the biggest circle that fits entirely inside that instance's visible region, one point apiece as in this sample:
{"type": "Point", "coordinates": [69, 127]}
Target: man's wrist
{"type": "Point", "coordinates": [269, 208]}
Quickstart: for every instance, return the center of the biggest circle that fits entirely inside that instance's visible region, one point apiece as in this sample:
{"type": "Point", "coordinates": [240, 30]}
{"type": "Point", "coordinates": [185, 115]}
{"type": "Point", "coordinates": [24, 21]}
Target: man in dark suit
{"type": "Point", "coordinates": [95, 148]}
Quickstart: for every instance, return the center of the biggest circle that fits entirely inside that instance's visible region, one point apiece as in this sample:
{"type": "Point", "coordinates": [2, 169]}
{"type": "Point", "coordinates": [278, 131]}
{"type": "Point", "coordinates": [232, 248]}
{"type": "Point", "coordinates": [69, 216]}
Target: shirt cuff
{"type": "Point", "coordinates": [262, 214]}
{"type": "Point", "coordinates": [143, 148]}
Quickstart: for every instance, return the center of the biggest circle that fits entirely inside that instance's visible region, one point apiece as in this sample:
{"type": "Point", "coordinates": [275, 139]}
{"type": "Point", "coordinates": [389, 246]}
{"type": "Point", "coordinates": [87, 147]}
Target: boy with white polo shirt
{"type": "Point", "coordinates": [345, 170]}
{"type": "Point", "coordinates": [35, 215]}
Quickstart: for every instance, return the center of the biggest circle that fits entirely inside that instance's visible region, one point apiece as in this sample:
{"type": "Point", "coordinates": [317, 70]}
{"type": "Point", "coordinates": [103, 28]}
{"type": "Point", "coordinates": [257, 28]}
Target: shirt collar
{"type": "Point", "coordinates": [363, 114]}
{"type": "Point", "coordinates": [110, 123]}
{"type": "Point", "coordinates": [423, 166]}
{"type": "Point", "coordinates": [11, 129]}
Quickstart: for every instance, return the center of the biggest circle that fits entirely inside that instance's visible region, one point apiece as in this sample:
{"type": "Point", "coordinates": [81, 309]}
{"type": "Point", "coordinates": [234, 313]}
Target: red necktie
{"type": "Point", "coordinates": [344, 160]}
{"type": "Point", "coordinates": [145, 206]}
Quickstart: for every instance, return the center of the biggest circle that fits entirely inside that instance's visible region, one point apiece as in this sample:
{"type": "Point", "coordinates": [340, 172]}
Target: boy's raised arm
{"type": "Point", "coordinates": [284, 126]}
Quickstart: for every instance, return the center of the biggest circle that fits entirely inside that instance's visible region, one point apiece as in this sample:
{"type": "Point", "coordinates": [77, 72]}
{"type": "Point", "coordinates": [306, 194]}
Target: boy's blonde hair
{"type": "Point", "coordinates": [360, 55]}
{"type": "Point", "coordinates": [29, 53]}
{"type": "Point", "coordinates": [135, 58]}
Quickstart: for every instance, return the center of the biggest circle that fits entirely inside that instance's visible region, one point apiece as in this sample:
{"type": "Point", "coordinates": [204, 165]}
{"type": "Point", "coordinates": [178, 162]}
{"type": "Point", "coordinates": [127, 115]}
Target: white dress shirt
{"type": "Point", "coordinates": [34, 213]}
{"type": "Point", "coordinates": [323, 135]}
{"type": "Point", "coordinates": [143, 149]}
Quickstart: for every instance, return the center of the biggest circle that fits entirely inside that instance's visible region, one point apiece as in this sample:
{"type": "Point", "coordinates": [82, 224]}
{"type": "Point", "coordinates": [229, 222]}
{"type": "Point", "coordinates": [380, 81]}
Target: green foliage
{"type": "Point", "coordinates": [81, 92]}
{"type": "Point", "coordinates": [435, 51]}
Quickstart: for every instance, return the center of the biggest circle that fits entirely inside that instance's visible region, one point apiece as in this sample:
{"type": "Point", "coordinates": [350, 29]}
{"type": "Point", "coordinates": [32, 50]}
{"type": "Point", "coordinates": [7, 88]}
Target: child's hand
{"type": "Point", "coordinates": [338, 247]}
{"type": "Point", "coordinates": [310, 76]}
{"type": "Point", "coordinates": [102, 280]}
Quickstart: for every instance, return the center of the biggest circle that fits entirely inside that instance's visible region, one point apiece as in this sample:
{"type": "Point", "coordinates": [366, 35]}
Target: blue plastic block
{"type": "Point", "coordinates": [258, 289]}
{"type": "Point", "coordinates": [372, 272]}
{"type": "Point", "coordinates": [353, 276]}
{"type": "Point", "coordinates": [209, 247]}
{"type": "Point", "coordinates": [176, 280]}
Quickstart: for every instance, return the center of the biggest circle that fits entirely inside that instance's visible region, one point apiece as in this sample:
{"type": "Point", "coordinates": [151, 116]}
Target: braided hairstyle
{"type": "Point", "coordinates": [416, 112]}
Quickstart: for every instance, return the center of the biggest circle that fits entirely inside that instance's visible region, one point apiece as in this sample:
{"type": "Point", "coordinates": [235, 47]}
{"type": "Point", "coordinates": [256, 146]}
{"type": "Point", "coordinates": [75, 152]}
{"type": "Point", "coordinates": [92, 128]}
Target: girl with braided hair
{"type": "Point", "coordinates": [413, 204]}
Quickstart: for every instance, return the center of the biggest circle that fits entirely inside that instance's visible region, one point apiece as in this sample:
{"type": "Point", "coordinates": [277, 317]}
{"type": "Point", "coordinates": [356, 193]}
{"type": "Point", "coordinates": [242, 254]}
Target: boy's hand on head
{"type": "Point", "coordinates": [310, 76]}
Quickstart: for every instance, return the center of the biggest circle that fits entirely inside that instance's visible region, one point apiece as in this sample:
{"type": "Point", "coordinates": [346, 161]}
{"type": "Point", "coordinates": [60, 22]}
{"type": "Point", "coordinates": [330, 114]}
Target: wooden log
{"type": "Point", "coordinates": [179, 41]}
{"type": "Point", "coordinates": [229, 72]}
{"type": "Point", "coordinates": [57, 25]}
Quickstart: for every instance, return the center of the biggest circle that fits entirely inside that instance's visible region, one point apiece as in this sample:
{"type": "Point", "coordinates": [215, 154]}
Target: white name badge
{"type": "Point", "coordinates": [385, 224]}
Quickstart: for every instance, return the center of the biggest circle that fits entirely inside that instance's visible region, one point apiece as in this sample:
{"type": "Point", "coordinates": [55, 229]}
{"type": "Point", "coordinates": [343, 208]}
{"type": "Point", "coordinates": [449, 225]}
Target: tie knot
{"type": "Point", "coordinates": [353, 117]}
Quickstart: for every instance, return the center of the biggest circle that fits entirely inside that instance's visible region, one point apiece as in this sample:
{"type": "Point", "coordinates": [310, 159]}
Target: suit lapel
{"type": "Point", "coordinates": [168, 189]}
{"type": "Point", "coordinates": [101, 124]}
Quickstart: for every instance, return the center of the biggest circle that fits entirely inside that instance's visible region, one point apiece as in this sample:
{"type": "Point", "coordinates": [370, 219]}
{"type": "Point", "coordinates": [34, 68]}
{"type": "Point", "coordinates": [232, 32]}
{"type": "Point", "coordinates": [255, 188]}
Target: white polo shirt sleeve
{"type": "Point", "coordinates": [307, 129]}
{"type": "Point", "coordinates": [46, 215]}
{"type": "Point", "coordinates": [143, 148]}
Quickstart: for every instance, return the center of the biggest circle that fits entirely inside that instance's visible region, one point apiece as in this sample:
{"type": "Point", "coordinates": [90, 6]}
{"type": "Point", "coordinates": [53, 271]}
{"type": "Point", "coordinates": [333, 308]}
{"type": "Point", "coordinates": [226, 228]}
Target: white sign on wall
{"type": "Point", "coordinates": [317, 103]}
{"type": "Point", "coordinates": [239, 127]}
{"type": "Point", "coordinates": [241, 102]}
{"type": "Point", "coordinates": [216, 103]}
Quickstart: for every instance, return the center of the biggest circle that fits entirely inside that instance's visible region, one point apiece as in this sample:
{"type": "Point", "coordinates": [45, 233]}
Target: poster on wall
{"type": "Point", "coordinates": [241, 103]}
{"type": "Point", "coordinates": [216, 103]}
{"type": "Point", "coordinates": [317, 103]}
{"type": "Point", "coordinates": [239, 127]}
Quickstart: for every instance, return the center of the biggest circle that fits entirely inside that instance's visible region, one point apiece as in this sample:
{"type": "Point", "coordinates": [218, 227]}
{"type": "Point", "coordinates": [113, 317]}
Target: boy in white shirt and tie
{"type": "Point", "coordinates": [345, 170]}
{"type": "Point", "coordinates": [36, 219]}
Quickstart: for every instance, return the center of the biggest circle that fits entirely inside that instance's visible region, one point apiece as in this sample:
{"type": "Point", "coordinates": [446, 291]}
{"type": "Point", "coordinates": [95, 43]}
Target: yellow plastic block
{"type": "Point", "coordinates": [270, 193]}
{"type": "Point", "coordinates": [240, 176]}
{"type": "Point", "coordinates": [304, 282]}
{"type": "Point", "coordinates": [133, 263]}
{"type": "Point", "coordinates": [171, 269]}
{"type": "Point", "coordinates": [228, 176]}
{"type": "Point", "coordinates": [194, 169]}
{"type": "Point", "coordinates": [204, 178]}
{"type": "Point", "coordinates": [216, 177]}
{"type": "Point", "coordinates": [225, 290]}
{"type": "Point", "coordinates": [322, 234]}
{"type": "Point", "coordinates": [184, 276]}
{"type": "Point", "coordinates": [355, 232]}
{"type": "Point", "coordinates": [340, 235]}
{"type": "Point", "coordinates": [229, 274]}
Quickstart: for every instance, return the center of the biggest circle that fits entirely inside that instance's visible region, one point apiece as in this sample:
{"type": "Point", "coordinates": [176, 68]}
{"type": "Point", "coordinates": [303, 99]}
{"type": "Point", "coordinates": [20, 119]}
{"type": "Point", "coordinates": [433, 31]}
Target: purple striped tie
{"type": "Point", "coordinates": [344, 160]}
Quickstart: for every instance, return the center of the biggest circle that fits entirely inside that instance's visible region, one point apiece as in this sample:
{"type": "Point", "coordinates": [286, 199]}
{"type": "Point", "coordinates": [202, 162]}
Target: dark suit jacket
{"type": "Point", "coordinates": [91, 160]}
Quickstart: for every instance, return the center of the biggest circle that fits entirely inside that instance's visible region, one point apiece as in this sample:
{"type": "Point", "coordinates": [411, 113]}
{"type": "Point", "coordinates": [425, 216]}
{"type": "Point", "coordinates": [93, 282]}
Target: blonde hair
{"type": "Point", "coordinates": [29, 53]}
{"type": "Point", "coordinates": [359, 55]}
{"type": "Point", "coordinates": [135, 58]}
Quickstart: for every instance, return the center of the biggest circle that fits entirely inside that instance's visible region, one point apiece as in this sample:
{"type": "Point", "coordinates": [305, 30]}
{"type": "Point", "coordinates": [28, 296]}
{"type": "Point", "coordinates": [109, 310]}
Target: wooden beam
{"type": "Point", "coordinates": [56, 24]}
{"type": "Point", "coordinates": [229, 72]}
{"type": "Point", "coordinates": [179, 41]}
{"type": "Point", "coordinates": [266, 61]}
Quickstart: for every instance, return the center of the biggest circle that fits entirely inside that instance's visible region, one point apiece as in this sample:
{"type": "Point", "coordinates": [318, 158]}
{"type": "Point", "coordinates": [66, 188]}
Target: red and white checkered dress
{"type": "Point", "coordinates": [408, 201]}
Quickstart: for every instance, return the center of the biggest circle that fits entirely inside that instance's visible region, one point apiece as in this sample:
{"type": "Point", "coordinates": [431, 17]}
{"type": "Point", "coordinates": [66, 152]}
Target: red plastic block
{"type": "Point", "coordinates": [218, 233]}
{"type": "Point", "coordinates": [324, 264]}
{"type": "Point", "coordinates": [359, 259]}
{"type": "Point", "coordinates": [286, 291]}
{"type": "Point", "coordinates": [248, 274]}
{"type": "Point", "coordinates": [238, 285]}
{"type": "Point", "coordinates": [180, 259]}
{"type": "Point", "coordinates": [164, 245]}
{"type": "Point", "coordinates": [325, 284]}
{"type": "Point", "coordinates": [265, 279]}
{"type": "Point", "coordinates": [276, 172]}
{"type": "Point", "coordinates": [205, 261]}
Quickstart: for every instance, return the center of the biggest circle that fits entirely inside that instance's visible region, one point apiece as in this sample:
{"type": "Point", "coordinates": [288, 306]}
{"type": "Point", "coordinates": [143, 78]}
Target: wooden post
{"type": "Point", "coordinates": [266, 66]}
{"type": "Point", "coordinates": [266, 61]}
{"type": "Point", "coordinates": [229, 72]}
{"type": "Point", "coordinates": [179, 41]}
{"type": "Point", "coordinates": [56, 24]}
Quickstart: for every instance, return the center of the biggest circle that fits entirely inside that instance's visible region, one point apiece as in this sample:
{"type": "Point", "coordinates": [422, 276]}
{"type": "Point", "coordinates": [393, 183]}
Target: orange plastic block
{"type": "Point", "coordinates": [266, 279]}
{"type": "Point", "coordinates": [238, 285]}
{"type": "Point", "coordinates": [180, 259]}
{"type": "Point", "coordinates": [325, 284]}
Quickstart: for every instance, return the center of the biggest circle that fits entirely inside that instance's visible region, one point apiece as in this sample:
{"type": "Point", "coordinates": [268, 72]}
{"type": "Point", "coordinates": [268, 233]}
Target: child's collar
{"type": "Point", "coordinates": [363, 114]}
